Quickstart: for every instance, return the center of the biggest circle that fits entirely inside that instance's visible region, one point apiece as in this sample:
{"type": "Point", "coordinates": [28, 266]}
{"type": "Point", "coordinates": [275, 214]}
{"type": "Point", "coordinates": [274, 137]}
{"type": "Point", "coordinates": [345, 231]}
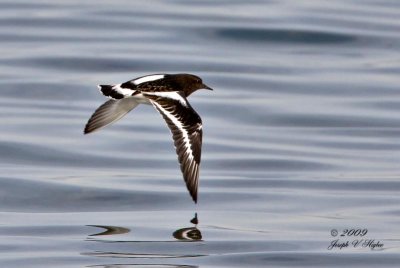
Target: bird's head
{"type": "Point", "coordinates": [191, 83]}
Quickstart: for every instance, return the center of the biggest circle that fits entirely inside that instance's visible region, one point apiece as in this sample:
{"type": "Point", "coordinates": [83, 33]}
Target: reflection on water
{"type": "Point", "coordinates": [195, 220]}
{"type": "Point", "coordinates": [133, 248]}
{"type": "Point", "coordinates": [110, 230]}
{"type": "Point", "coordinates": [183, 234]}
{"type": "Point", "coordinates": [188, 234]}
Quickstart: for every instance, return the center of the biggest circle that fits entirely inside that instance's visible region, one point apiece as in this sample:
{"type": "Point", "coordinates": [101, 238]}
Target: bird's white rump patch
{"type": "Point", "coordinates": [122, 90]}
{"type": "Point", "coordinates": [147, 78]}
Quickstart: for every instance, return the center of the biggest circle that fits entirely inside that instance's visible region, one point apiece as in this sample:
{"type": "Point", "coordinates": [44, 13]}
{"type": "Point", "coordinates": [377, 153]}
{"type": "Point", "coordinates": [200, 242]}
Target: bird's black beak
{"type": "Point", "coordinates": [206, 87]}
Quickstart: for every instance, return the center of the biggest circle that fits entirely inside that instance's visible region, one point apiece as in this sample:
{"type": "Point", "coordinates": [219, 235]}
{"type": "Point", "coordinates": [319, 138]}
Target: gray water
{"type": "Point", "coordinates": [301, 134]}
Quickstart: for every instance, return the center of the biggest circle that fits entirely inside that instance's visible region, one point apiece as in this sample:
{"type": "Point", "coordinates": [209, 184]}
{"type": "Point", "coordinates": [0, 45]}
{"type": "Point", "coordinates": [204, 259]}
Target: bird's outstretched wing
{"type": "Point", "coordinates": [109, 112]}
{"type": "Point", "coordinates": [186, 127]}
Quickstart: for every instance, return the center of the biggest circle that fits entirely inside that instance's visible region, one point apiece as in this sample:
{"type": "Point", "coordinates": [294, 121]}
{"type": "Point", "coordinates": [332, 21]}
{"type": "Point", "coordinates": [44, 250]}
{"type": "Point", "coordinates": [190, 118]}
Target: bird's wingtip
{"type": "Point", "coordinates": [86, 131]}
{"type": "Point", "coordinates": [194, 197]}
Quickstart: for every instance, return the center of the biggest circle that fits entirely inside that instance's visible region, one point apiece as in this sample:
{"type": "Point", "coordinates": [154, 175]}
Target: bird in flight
{"type": "Point", "coordinates": [168, 94]}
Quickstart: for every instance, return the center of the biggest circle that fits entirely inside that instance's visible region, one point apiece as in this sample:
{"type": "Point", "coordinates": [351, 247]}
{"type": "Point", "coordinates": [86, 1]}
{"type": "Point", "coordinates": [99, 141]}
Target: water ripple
{"type": "Point", "coordinates": [285, 36]}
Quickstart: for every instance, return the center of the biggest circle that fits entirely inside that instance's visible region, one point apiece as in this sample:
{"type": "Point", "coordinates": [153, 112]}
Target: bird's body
{"type": "Point", "coordinates": [167, 93]}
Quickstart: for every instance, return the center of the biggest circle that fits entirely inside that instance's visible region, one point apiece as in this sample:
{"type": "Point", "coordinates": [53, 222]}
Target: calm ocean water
{"type": "Point", "coordinates": [301, 135]}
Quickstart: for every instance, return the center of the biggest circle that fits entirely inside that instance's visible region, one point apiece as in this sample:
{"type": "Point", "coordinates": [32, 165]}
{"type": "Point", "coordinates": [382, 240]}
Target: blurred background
{"type": "Point", "coordinates": [301, 134]}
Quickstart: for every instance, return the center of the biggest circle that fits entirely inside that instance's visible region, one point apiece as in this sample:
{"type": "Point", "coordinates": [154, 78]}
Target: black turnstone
{"type": "Point", "coordinates": [167, 93]}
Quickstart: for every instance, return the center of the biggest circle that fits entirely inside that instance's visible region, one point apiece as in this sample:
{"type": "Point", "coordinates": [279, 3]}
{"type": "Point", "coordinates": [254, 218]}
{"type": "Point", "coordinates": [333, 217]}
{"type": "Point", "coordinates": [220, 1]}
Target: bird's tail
{"type": "Point", "coordinates": [105, 89]}
{"type": "Point", "coordinates": [110, 91]}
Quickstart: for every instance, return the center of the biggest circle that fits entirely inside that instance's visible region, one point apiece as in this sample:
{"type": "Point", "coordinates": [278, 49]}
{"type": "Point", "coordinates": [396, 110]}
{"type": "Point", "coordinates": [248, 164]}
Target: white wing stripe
{"type": "Point", "coordinates": [148, 78]}
{"type": "Point", "coordinates": [174, 95]}
{"type": "Point", "coordinates": [181, 128]}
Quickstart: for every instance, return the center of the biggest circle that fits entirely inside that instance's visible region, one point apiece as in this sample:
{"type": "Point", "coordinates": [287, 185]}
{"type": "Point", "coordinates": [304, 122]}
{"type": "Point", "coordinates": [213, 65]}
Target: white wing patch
{"type": "Point", "coordinates": [147, 78]}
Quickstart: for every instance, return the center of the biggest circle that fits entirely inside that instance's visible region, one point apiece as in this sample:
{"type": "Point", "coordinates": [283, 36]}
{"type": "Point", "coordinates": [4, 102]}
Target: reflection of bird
{"type": "Point", "coordinates": [195, 220]}
{"type": "Point", "coordinates": [110, 230]}
{"type": "Point", "coordinates": [188, 234]}
{"type": "Point", "coordinates": [167, 93]}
